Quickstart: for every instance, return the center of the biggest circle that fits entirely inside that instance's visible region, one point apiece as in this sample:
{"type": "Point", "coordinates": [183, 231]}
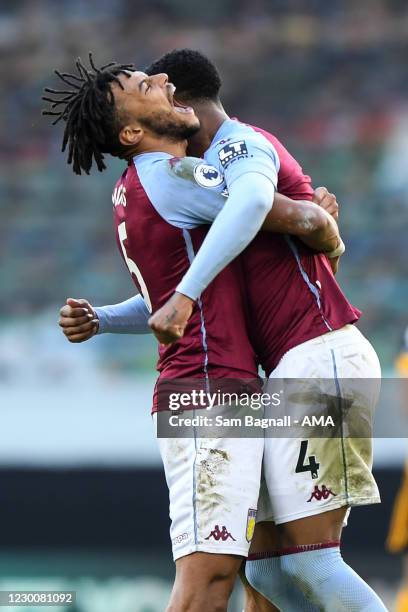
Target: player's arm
{"type": "Point", "coordinates": [250, 199]}
{"type": "Point", "coordinates": [250, 168]}
{"type": "Point", "coordinates": [251, 184]}
{"type": "Point", "coordinates": [236, 226]}
{"type": "Point", "coordinates": [306, 220]}
{"type": "Point", "coordinates": [80, 321]}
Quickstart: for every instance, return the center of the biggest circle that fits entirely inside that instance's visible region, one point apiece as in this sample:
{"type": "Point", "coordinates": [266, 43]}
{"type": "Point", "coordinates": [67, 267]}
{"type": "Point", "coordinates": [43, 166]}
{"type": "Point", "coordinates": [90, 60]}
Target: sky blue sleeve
{"type": "Point", "coordinates": [185, 191]}
{"type": "Point", "coordinates": [246, 151]}
{"type": "Point", "coordinates": [250, 199]}
{"type": "Point", "coordinates": [250, 167]}
{"type": "Point", "coordinates": [128, 317]}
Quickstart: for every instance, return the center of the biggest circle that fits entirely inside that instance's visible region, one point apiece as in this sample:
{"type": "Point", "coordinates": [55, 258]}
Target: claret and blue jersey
{"type": "Point", "coordinates": [163, 209]}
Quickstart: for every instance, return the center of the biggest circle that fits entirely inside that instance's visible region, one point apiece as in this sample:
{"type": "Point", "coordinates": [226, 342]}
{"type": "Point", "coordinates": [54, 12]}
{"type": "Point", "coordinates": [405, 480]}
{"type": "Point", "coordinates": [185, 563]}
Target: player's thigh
{"type": "Point", "coordinates": [316, 529]}
{"type": "Point", "coordinates": [306, 474]}
{"type": "Point", "coordinates": [213, 488]}
{"type": "Point", "coordinates": [304, 477]}
{"type": "Point", "coordinates": [266, 539]}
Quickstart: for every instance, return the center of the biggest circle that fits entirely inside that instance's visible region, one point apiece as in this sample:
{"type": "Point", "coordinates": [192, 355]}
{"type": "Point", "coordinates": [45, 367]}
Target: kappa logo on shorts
{"type": "Point", "coordinates": [220, 534]}
{"type": "Point", "coordinates": [232, 151]}
{"type": "Point", "coordinates": [250, 526]}
{"type": "Point", "coordinates": [319, 494]}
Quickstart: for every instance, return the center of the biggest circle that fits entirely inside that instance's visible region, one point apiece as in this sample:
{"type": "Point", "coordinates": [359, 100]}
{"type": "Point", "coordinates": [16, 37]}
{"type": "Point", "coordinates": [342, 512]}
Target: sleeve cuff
{"type": "Point", "coordinates": [190, 288]}
{"type": "Point", "coordinates": [103, 325]}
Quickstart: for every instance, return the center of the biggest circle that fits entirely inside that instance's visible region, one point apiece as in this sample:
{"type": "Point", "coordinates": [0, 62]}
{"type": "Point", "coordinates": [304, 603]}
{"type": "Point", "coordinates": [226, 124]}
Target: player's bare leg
{"type": "Point", "coordinates": [320, 528]}
{"type": "Point", "coordinates": [204, 582]}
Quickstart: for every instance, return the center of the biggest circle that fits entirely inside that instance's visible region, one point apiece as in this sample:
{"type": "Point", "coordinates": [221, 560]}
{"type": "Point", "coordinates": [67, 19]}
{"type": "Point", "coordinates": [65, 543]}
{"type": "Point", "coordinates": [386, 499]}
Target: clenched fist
{"type": "Point", "coordinates": [326, 200]}
{"type": "Point", "coordinates": [169, 322]}
{"type": "Point", "coordinates": [78, 320]}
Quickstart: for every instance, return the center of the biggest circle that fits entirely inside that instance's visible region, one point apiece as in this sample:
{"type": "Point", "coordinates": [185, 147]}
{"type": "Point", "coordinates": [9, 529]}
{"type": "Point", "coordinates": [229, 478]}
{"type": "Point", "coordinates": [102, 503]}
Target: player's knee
{"type": "Point", "coordinates": [254, 575]}
{"type": "Point", "coordinates": [289, 569]}
{"type": "Point", "coordinates": [300, 571]}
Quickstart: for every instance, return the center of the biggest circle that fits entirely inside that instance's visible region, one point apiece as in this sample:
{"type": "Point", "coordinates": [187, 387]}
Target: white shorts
{"type": "Point", "coordinates": [214, 488]}
{"type": "Point", "coordinates": [309, 475]}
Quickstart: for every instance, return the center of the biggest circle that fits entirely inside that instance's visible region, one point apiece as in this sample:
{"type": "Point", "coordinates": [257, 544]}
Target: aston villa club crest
{"type": "Point", "coordinates": [250, 526]}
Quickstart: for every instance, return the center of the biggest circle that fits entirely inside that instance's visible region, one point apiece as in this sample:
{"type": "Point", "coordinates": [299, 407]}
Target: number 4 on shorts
{"type": "Point", "coordinates": [312, 466]}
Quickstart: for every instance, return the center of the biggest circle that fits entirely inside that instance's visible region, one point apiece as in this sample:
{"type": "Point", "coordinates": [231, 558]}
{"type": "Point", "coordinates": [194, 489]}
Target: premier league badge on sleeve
{"type": "Point", "coordinates": [207, 176]}
{"type": "Point", "coordinates": [232, 151]}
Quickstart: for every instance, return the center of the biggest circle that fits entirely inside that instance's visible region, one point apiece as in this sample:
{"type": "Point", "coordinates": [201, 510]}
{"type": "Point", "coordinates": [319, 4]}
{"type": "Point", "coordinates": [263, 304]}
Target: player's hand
{"type": "Point", "coordinates": [78, 320]}
{"type": "Point", "coordinates": [334, 264]}
{"type": "Point", "coordinates": [170, 321]}
{"type": "Point", "coordinates": [327, 201]}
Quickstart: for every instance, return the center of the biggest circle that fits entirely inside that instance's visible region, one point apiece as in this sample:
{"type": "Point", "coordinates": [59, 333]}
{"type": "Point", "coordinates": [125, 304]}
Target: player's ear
{"type": "Point", "coordinates": [130, 135]}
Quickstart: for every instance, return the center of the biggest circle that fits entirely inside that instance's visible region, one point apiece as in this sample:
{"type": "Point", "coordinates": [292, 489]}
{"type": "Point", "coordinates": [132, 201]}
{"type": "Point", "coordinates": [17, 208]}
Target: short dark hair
{"type": "Point", "coordinates": [92, 123]}
{"type": "Point", "coordinates": [193, 74]}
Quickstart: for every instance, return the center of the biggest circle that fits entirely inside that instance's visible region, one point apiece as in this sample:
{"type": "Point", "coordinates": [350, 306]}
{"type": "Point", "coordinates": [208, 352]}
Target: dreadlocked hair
{"type": "Point", "coordinates": [88, 109]}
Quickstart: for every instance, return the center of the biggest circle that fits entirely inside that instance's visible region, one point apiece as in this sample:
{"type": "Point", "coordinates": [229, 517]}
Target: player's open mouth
{"type": "Point", "coordinates": [180, 108]}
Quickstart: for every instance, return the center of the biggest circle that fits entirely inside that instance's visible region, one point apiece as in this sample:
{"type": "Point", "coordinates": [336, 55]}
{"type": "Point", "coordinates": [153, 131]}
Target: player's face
{"type": "Point", "coordinates": [148, 102]}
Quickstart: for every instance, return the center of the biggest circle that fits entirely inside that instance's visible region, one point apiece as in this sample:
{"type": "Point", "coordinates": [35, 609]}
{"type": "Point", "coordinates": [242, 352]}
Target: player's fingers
{"type": "Point", "coordinates": [73, 321]}
{"type": "Point", "coordinates": [319, 194]}
{"type": "Point", "coordinates": [79, 338]}
{"type": "Point", "coordinates": [329, 200]}
{"type": "Point", "coordinates": [333, 211]}
{"type": "Point", "coordinates": [165, 339]}
{"type": "Point", "coordinates": [164, 328]}
{"type": "Point", "coordinates": [69, 311]}
{"type": "Point", "coordinates": [167, 335]}
{"type": "Point", "coordinates": [79, 329]}
{"type": "Point", "coordinates": [74, 302]}
{"type": "Point", "coordinates": [79, 303]}
{"type": "Point", "coordinates": [334, 264]}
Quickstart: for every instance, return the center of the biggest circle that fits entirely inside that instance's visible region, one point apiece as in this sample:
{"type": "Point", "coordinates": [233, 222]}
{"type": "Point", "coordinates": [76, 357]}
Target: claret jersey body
{"type": "Point", "coordinates": [158, 250]}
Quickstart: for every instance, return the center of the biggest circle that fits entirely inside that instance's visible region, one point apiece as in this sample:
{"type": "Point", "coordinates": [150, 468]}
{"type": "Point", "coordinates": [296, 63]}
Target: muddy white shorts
{"type": "Point", "coordinates": [308, 475]}
{"type": "Point", "coordinates": [214, 488]}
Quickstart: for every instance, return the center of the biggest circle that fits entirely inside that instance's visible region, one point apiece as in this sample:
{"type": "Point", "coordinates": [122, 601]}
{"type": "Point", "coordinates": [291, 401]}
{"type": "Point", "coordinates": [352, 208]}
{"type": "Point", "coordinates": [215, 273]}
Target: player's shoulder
{"type": "Point", "coordinates": [195, 170]}
{"type": "Point", "coordinates": [178, 170]}
{"type": "Point", "coordinates": [232, 130]}
{"type": "Point", "coordinates": [239, 141]}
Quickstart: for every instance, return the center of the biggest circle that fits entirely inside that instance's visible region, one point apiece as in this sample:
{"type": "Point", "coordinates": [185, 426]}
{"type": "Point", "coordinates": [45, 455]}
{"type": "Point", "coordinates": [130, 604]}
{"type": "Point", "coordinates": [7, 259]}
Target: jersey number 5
{"type": "Point", "coordinates": [133, 269]}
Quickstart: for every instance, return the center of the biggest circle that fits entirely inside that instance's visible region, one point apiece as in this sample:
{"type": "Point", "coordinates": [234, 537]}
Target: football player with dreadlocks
{"type": "Point", "coordinates": [148, 198]}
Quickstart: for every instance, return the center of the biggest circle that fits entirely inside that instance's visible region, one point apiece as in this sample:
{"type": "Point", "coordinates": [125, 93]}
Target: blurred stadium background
{"type": "Point", "coordinates": [83, 502]}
